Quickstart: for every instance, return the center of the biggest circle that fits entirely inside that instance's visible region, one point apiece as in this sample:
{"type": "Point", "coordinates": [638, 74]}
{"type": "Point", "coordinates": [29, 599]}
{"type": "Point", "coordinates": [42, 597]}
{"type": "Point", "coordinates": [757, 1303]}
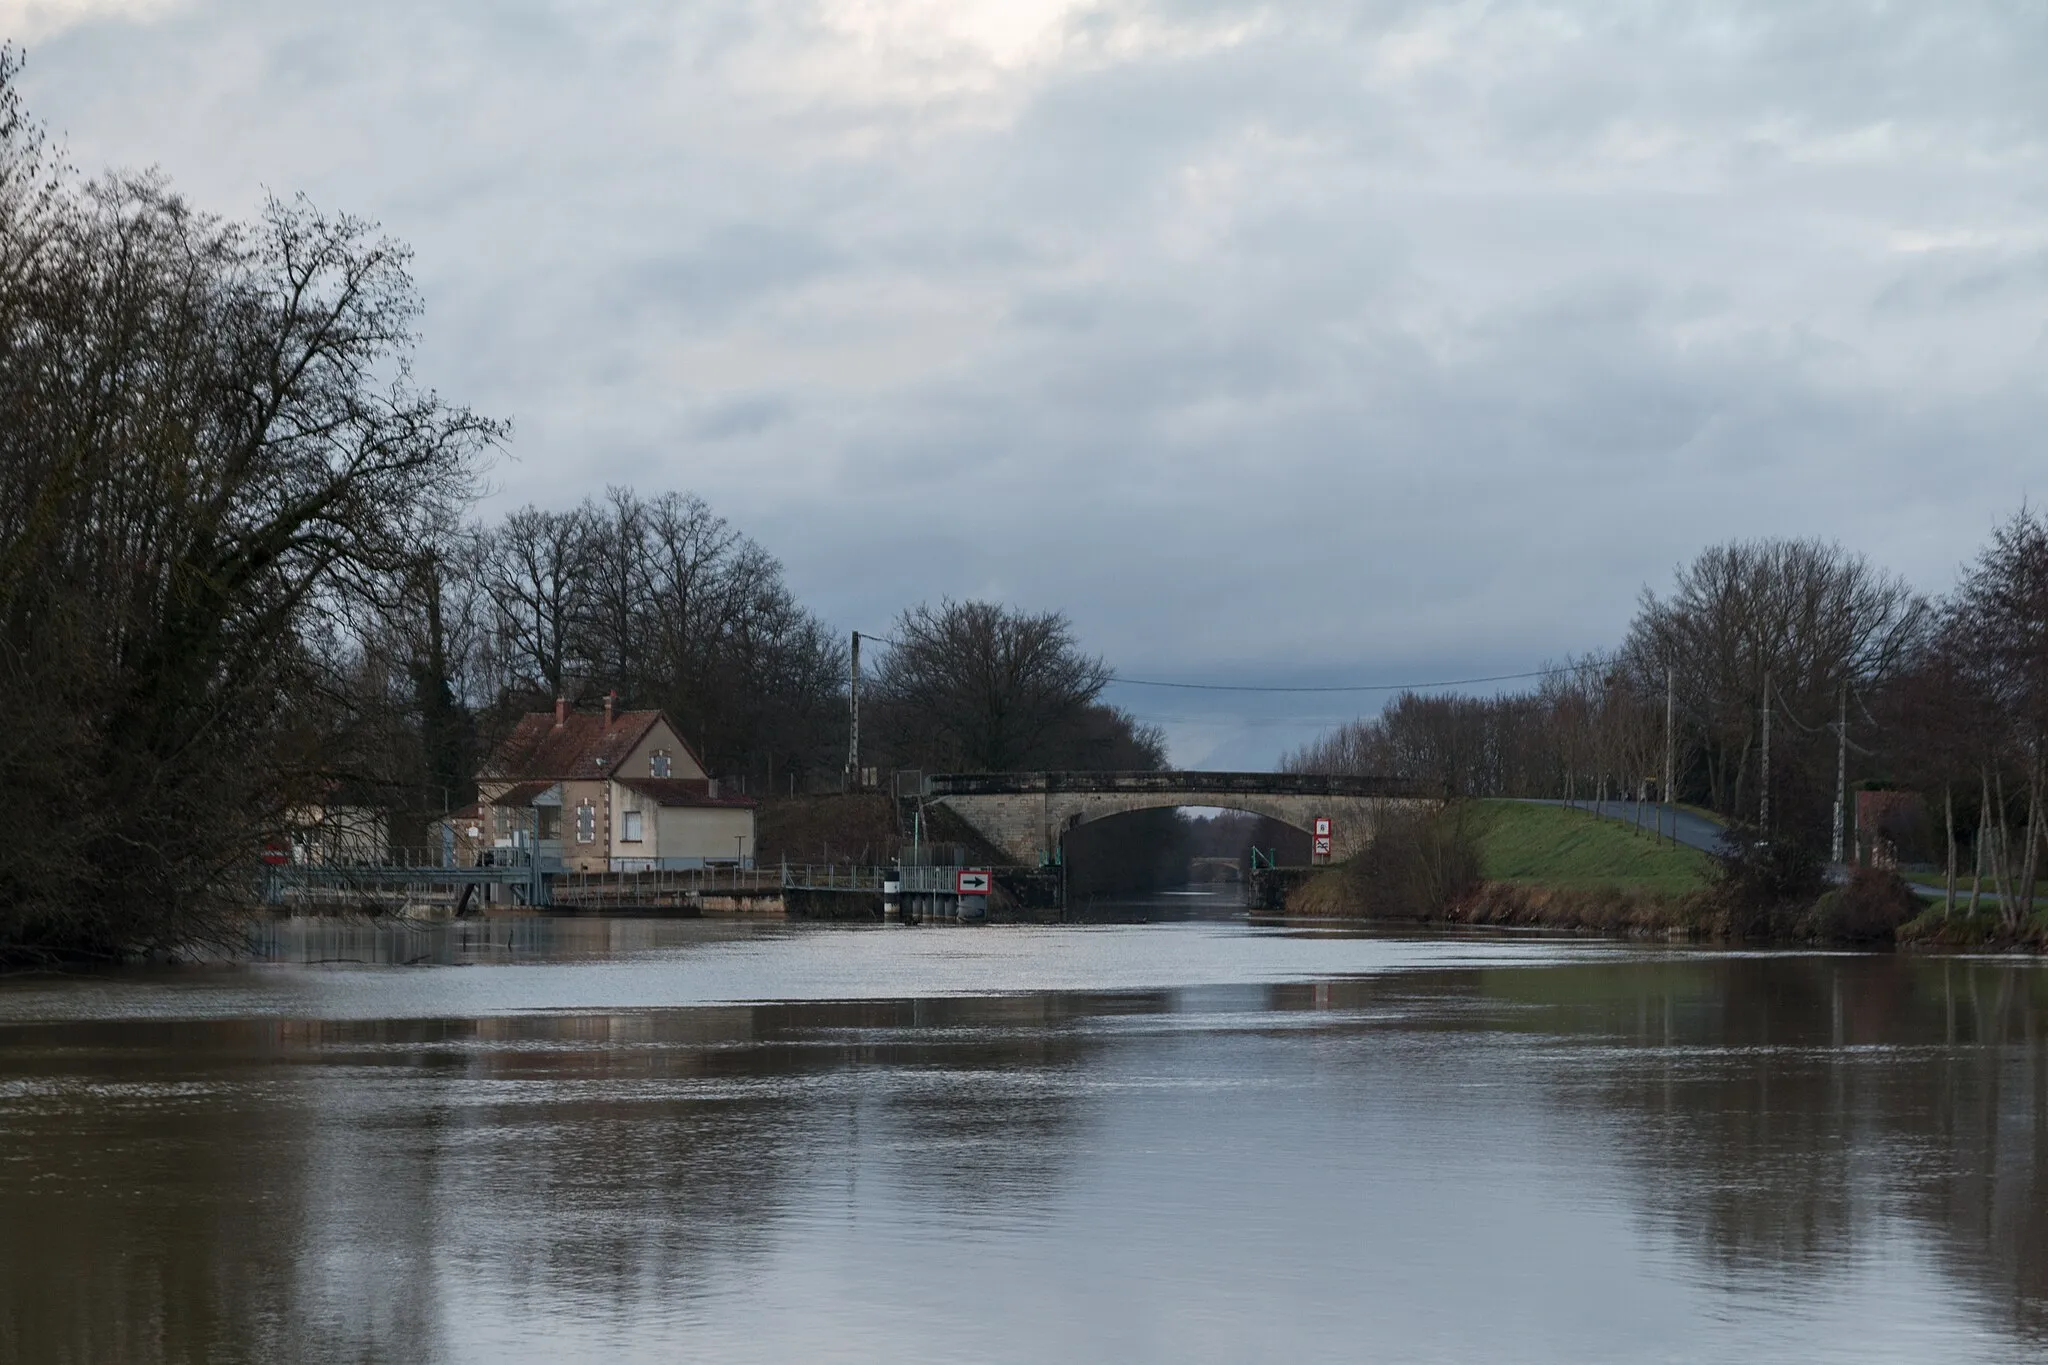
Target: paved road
{"type": "Point", "coordinates": [1694, 831]}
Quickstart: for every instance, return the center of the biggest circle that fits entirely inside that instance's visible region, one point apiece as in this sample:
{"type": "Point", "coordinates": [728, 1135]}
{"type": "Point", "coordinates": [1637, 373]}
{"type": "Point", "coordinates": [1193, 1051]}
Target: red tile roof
{"type": "Point", "coordinates": [522, 793]}
{"type": "Point", "coordinates": [582, 746]}
{"type": "Point", "coordinates": [683, 791]}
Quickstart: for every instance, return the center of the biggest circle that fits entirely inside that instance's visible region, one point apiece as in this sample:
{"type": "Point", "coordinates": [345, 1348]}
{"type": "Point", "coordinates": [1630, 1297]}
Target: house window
{"type": "Point", "coordinates": [550, 822]}
{"type": "Point", "coordinates": [586, 823]}
{"type": "Point", "coordinates": [631, 826]}
{"type": "Point", "coordinates": [658, 764]}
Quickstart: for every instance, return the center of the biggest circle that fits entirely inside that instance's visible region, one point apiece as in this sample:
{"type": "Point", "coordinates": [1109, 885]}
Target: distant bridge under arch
{"type": "Point", "coordinates": [1027, 814]}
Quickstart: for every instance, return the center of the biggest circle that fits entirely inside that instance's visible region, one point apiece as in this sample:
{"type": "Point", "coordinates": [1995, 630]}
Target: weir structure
{"type": "Point", "coordinates": [1026, 815]}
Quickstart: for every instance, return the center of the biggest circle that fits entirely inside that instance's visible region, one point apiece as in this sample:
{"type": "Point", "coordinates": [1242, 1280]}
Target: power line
{"type": "Point", "coordinates": [1238, 720]}
{"type": "Point", "coordinates": [1347, 687]}
{"type": "Point", "coordinates": [1366, 687]}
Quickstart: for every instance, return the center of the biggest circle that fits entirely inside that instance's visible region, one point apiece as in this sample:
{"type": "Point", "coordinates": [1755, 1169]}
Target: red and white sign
{"type": "Point", "coordinates": [974, 882]}
{"type": "Point", "coordinates": [1322, 845]}
{"type": "Point", "coordinates": [1323, 828]}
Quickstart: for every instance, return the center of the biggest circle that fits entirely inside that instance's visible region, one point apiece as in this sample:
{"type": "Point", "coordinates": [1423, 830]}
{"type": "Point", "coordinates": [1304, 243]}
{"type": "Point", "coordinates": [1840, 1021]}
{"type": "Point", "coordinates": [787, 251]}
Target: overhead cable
{"type": "Point", "coordinates": [1367, 687]}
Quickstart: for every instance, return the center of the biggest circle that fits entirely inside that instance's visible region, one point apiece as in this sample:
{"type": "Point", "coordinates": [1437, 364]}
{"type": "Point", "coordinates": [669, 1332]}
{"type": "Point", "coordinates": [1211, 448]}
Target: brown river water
{"type": "Point", "coordinates": [585, 1140]}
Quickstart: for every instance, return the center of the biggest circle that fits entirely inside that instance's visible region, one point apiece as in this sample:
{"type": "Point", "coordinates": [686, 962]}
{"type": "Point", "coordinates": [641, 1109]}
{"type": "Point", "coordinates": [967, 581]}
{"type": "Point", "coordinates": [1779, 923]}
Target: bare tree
{"type": "Point", "coordinates": [1783, 623]}
{"type": "Point", "coordinates": [617, 608]}
{"type": "Point", "coordinates": [976, 686]}
{"type": "Point", "coordinates": [538, 567]}
{"type": "Point", "coordinates": [665, 603]}
{"type": "Point", "coordinates": [1998, 629]}
{"type": "Point", "coordinates": [209, 439]}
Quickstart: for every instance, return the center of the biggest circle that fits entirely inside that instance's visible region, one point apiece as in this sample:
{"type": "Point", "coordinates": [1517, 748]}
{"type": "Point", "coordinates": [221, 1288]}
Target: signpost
{"type": "Point", "coordinates": [1322, 839]}
{"type": "Point", "coordinates": [974, 881]}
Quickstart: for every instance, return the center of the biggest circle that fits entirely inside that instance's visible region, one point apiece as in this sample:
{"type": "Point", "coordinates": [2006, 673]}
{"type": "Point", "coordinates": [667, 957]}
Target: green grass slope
{"type": "Point", "coordinates": [1554, 846]}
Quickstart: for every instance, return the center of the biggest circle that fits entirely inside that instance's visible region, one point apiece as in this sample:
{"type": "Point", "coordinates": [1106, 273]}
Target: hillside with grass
{"type": "Point", "coordinates": [1555, 846]}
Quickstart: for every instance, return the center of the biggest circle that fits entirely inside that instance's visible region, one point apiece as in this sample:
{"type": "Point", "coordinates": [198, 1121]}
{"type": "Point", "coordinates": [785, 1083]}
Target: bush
{"type": "Point", "coordinates": [1418, 864]}
{"type": "Point", "coordinates": [1868, 908]}
{"type": "Point", "coordinates": [1764, 873]}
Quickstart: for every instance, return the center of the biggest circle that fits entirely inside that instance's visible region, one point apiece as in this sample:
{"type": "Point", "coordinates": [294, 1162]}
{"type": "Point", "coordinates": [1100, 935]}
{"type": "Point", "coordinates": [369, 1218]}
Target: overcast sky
{"type": "Point", "coordinates": [1304, 343]}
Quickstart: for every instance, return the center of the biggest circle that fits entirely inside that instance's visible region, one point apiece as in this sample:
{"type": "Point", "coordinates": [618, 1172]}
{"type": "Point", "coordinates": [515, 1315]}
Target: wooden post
{"type": "Point", "coordinates": [853, 718]}
{"type": "Point", "coordinates": [1842, 770]}
{"type": "Point", "coordinates": [1948, 808]}
{"type": "Point", "coordinates": [1763, 819]}
{"type": "Point", "coordinates": [1670, 759]}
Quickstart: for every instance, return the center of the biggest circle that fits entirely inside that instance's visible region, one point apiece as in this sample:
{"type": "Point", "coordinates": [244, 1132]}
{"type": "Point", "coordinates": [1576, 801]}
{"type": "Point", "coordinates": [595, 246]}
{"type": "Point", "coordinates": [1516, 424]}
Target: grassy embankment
{"type": "Point", "coordinates": [1986, 929]}
{"type": "Point", "coordinates": [1550, 866]}
{"type": "Point", "coordinates": [1572, 850]}
{"type": "Point", "coordinates": [1554, 867]}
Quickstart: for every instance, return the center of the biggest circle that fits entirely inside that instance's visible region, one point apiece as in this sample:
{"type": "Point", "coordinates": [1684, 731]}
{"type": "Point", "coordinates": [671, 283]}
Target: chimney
{"type": "Point", "coordinates": [611, 701]}
{"type": "Point", "coordinates": [561, 712]}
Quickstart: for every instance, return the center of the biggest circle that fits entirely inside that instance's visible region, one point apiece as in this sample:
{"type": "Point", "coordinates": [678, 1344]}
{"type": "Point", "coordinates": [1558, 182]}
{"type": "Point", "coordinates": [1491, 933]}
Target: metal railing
{"type": "Point", "coordinates": [426, 872]}
{"type": "Point", "coordinates": [835, 877]}
{"type": "Point", "coordinates": [660, 888]}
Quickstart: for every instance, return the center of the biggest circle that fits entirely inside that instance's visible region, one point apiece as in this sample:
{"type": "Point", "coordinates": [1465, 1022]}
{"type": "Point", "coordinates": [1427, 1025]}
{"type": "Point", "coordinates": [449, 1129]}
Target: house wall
{"type": "Point", "coordinates": [683, 764]}
{"type": "Point", "coordinates": [594, 856]}
{"type": "Point", "coordinates": [623, 799]}
{"type": "Point", "coordinates": [698, 832]}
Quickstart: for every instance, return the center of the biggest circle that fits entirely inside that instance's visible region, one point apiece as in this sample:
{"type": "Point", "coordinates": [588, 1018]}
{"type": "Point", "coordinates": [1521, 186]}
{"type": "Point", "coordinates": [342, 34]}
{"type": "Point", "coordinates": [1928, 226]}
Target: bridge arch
{"type": "Point", "coordinates": [1091, 813]}
{"type": "Point", "coordinates": [1027, 814]}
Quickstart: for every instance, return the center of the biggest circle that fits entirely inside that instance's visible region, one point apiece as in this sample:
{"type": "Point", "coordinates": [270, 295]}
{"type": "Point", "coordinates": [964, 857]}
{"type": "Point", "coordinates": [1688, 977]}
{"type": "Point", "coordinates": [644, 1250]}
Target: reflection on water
{"type": "Point", "coordinates": [1107, 1144]}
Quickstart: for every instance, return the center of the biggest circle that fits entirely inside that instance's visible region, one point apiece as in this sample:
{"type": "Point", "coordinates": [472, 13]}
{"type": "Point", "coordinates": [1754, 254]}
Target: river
{"type": "Point", "coordinates": [535, 1140]}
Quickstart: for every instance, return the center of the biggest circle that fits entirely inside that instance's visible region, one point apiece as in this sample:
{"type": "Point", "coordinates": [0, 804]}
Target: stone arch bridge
{"type": "Point", "coordinates": [1027, 814]}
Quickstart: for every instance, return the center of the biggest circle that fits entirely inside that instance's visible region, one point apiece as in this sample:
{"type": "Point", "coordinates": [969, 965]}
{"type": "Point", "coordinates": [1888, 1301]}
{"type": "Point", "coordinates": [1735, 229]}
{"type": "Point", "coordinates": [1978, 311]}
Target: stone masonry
{"type": "Point", "coordinates": [1027, 814]}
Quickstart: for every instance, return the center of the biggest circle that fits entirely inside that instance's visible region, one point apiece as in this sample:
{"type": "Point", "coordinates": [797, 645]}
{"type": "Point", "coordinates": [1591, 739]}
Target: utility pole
{"type": "Point", "coordinates": [1763, 820]}
{"type": "Point", "coordinates": [1670, 762]}
{"type": "Point", "coordinates": [1841, 770]}
{"type": "Point", "coordinates": [853, 719]}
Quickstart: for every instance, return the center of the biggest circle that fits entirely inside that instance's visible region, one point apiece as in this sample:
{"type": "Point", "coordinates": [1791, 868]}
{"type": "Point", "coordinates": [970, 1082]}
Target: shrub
{"type": "Point", "coordinates": [1868, 908]}
{"type": "Point", "coordinates": [1418, 864]}
{"type": "Point", "coordinates": [1762, 873]}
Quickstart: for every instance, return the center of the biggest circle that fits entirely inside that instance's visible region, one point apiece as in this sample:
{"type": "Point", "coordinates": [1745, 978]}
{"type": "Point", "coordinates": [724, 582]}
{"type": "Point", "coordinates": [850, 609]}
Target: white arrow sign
{"type": "Point", "coordinates": [974, 883]}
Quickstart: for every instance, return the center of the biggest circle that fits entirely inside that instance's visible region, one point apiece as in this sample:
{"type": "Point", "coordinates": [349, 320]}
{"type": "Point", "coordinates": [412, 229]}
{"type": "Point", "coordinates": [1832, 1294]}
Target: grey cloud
{"type": "Point", "coordinates": [728, 267]}
{"type": "Point", "coordinates": [748, 416]}
{"type": "Point", "coordinates": [1292, 349]}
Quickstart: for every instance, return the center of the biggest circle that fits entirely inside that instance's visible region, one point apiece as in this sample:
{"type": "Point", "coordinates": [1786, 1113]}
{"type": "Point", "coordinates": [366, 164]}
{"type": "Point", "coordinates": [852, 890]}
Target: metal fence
{"type": "Point", "coordinates": [660, 888]}
{"type": "Point", "coordinates": [835, 877]}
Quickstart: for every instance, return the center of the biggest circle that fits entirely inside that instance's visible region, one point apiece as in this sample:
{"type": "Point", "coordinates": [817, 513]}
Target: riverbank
{"type": "Point", "coordinates": [1553, 867]}
{"type": "Point", "coordinates": [1984, 930]}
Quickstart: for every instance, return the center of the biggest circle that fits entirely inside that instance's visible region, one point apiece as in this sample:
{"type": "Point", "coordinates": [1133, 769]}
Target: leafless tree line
{"type": "Point", "coordinates": [239, 576]}
{"type": "Point", "coordinates": [1967, 723]}
{"type": "Point", "coordinates": [663, 602]}
{"type": "Point", "coordinates": [1586, 732]}
{"type": "Point", "coordinates": [210, 444]}
{"type": "Point", "coordinates": [1841, 659]}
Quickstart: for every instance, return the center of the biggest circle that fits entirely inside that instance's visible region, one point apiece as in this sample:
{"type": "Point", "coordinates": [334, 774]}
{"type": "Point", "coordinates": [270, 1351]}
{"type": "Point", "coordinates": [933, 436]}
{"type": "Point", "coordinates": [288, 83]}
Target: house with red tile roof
{"type": "Point", "coordinates": [617, 791]}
